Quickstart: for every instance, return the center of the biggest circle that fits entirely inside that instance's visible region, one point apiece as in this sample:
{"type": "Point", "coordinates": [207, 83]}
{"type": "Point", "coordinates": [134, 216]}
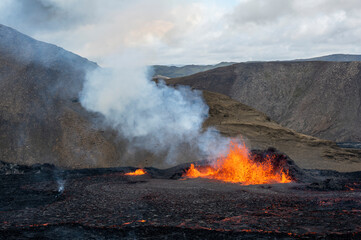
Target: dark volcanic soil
{"type": "Point", "coordinates": [106, 204]}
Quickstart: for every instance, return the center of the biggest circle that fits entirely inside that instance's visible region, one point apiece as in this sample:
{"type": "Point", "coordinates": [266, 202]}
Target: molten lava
{"type": "Point", "coordinates": [238, 167]}
{"type": "Point", "coordinates": [137, 172]}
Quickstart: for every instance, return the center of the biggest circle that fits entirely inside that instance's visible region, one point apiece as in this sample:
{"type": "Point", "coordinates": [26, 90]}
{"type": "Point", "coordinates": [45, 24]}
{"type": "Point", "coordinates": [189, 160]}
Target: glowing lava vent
{"type": "Point", "coordinates": [137, 172]}
{"type": "Point", "coordinates": [239, 167]}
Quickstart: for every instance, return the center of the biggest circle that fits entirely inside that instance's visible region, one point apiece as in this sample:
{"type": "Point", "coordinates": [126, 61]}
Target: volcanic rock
{"type": "Point", "coordinates": [107, 204]}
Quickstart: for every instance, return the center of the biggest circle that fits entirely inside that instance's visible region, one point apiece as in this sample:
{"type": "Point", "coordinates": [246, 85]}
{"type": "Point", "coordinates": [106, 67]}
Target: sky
{"type": "Point", "coordinates": [191, 32]}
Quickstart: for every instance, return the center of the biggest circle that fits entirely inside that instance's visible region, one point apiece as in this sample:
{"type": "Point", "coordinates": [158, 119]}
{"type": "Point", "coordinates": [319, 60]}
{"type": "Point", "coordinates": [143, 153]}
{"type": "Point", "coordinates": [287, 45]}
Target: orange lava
{"type": "Point", "coordinates": [238, 167]}
{"type": "Point", "coordinates": [137, 172]}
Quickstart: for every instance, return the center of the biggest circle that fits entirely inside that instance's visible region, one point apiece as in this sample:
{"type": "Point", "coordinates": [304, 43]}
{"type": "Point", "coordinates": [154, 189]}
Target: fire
{"type": "Point", "coordinates": [238, 167]}
{"type": "Point", "coordinates": [137, 172]}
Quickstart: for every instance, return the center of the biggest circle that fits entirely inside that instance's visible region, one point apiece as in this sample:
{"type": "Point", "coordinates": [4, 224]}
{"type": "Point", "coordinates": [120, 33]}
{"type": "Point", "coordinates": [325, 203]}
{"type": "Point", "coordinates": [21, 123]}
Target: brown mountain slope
{"type": "Point", "coordinates": [322, 99]}
{"type": "Point", "coordinates": [235, 119]}
{"type": "Point", "coordinates": [40, 118]}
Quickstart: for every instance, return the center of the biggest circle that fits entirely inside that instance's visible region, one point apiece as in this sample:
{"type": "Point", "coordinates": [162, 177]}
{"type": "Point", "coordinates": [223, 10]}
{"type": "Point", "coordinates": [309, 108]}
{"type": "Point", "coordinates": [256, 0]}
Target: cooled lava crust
{"type": "Point", "coordinates": [106, 204]}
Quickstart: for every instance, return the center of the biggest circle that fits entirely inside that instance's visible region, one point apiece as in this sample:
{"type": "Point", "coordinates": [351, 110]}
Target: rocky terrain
{"type": "Point", "coordinates": [161, 204]}
{"type": "Point", "coordinates": [322, 99]}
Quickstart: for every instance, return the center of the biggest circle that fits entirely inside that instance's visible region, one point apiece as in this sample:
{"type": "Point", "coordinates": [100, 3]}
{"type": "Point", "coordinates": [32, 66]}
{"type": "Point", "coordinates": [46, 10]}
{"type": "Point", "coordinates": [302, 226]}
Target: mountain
{"type": "Point", "coordinates": [334, 58]}
{"type": "Point", "coordinates": [173, 71]}
{"type": "Point", "coordinates": [321, 99]}
{"type": "Point", "coordinates": [42, 121]}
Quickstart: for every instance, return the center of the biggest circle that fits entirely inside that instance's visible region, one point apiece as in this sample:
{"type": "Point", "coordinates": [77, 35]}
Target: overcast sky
{"type": "Point", "coordinates": [185, 32]}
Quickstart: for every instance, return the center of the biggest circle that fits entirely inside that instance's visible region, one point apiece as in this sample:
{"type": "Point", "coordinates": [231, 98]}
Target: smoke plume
{"type": "Point", "coordinates": [152, 116]}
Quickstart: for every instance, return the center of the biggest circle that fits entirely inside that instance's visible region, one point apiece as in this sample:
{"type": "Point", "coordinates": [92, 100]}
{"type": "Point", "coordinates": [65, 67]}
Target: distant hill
{"type": "Point", "coordinates": [322, 99]}
{"type": "Point", "coordinates": [173, 71]}
{"type": "Point", "coordinates": [187, 70]}
{"type": "Point", "coordinates": [334, 58]}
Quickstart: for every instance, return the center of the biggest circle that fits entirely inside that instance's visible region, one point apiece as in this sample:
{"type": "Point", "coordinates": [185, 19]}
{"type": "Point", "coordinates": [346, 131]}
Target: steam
{"type": "Point", "coordinates": [60, 178]}
{"type": "Point", "coordinates": [150, 115]}
{"type": "Point", "coordinates": [61, 184]}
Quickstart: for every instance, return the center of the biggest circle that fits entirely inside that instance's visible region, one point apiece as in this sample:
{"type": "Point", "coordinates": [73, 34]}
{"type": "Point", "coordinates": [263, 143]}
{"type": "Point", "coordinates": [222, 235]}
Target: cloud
{"type": "Point", "coordinates": [261, 11]}
{"type": "Point", "coordinates": [187, 31]}
{"type": "Point", "coordinates": [41, 15]}
{"type": "Point", "coordinates": [280, 29]}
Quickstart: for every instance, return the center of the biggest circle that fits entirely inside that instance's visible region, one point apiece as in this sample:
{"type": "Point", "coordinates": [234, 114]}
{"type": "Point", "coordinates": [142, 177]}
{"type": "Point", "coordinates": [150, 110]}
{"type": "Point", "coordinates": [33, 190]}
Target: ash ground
{"type": "Point", "coordinates": [106, 204]}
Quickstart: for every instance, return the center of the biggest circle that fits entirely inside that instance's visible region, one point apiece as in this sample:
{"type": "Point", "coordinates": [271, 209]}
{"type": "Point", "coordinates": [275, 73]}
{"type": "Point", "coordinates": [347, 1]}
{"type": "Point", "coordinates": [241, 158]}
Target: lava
{"type": "Point", "coordinates": [239, 167]}
{"type": "Point", "coordinates": [137, 172]}
{"type": "Point", "coordinates": [160, 207]}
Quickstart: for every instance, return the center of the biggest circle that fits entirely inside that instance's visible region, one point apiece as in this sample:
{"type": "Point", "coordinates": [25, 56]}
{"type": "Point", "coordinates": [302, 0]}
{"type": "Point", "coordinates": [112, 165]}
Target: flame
{"type": "Point", "coordinates": [238, 167]}
{"type": "Point", "coordinates": [137, 172]}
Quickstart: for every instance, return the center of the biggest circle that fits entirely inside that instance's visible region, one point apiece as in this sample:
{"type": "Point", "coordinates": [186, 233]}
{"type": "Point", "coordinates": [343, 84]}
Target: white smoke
{"type": "Point", "coordinates": [152, 116]}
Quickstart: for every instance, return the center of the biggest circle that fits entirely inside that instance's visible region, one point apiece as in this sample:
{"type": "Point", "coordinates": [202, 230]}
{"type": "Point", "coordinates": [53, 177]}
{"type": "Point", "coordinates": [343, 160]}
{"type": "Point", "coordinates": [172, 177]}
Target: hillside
{"type": "Point", "coordinates": [322, 99]}
{"type": "Point", "coordinates": [235, 119]}
{"type": "Point", "coordinates": [41, 119]}
{"type": "Point", "coordinates": [334, 58]}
